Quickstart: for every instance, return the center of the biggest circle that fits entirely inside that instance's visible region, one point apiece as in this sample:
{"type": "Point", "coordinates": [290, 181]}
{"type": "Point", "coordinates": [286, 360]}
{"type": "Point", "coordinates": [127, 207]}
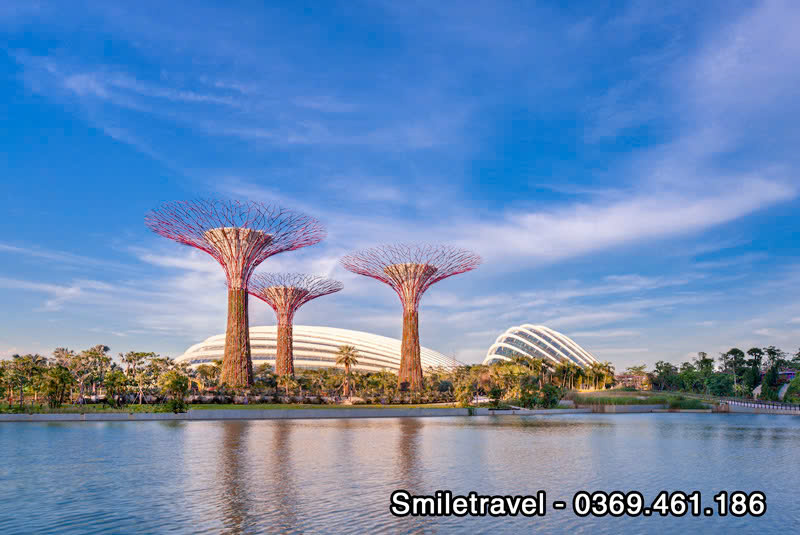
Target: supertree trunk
{"type": "Point", "coordinates": [237, 368]}
{"type": "Point", "coordinates": [284, 361]}
{"type": "Point", "coordinates": [410, 361]}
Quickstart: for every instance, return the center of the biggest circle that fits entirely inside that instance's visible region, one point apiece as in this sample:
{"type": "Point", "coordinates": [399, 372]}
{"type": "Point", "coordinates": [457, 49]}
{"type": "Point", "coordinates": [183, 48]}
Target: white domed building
{"type": "Point", "coordinates": [316, 347]}
{"type": "Point", "coordinates": [541, 342]}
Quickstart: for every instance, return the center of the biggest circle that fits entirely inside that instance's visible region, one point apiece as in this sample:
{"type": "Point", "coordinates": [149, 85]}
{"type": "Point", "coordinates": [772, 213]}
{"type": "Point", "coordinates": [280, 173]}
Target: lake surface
{"type": "Point", "coordinates": [336, 476]}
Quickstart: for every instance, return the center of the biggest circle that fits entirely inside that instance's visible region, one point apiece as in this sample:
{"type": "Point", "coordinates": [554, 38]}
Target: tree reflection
{"type": "Point", "coordinates": [231, 475]}
{"type": "Point", "coordinates": [282, 490]}
{"type": "Point", "coordinates": [409, 469]}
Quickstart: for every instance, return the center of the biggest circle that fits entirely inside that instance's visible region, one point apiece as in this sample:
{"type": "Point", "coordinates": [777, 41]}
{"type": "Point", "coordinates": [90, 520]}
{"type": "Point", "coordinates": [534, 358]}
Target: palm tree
{"type": "Point", "coordinates": [35, 368]}
{"type": "Point", "coordinates": [347, 356]}
{"type": "Point", "coordinates": [608, 372]}
{"type": "Point", "coordinates": [580, 375]}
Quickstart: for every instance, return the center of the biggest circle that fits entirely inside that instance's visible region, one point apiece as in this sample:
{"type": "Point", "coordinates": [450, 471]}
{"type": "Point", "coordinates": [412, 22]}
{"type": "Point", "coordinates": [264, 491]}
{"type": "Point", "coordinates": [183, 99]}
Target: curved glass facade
{"type": "Point", "coordinates": [316, 347]}
{"type": "Point", "coordinates": [538, 341]}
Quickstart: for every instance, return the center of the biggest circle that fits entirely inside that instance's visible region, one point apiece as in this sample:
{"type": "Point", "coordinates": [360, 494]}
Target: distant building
{"type": "Point", "coordinates": [541, 342]}
{"type": "Point", "coordinates": [639, 382]}
{"type": "Point", "coordinates": [316, 347]}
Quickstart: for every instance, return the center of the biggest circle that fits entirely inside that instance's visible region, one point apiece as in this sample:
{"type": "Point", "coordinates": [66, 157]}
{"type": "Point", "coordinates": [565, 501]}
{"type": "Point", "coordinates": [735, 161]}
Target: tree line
{"type": "Point", "coordinates": [94, 376]}
{"type": "Point", "coordinates": [733, 373]}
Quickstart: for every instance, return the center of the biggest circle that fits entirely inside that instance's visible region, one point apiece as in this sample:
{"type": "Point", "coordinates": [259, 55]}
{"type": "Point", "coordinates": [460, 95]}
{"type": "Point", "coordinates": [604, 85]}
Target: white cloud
{"type": "Point", "coordinates": [583, 228]}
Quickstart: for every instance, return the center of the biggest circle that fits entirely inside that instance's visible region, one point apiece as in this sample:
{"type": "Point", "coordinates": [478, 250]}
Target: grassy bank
{"type": "Point", "coordinates": [127, 409]}
{"type": "Point", "coordinates": [673, 401]}
{"type": "Point", "coordinates": [80, 409]}
{"type": "Point", "coordinates": [281, 406]}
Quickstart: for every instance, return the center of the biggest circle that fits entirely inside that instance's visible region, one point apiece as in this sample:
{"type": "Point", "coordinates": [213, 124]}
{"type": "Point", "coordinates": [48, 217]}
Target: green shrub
{"type": "Point", "coordinates": [529, 399]}
{"type": "Point", "coordinates": [465, 393]}
{"type": "Point", "coordinates": [768, 393]}
{"type": "Point", "coordinates": [550, 396]}
{"type": "Point", "coordinates": [495, 393]}
{"type": "Point", "coordinates": [793, 392]}
{"type": "Point", "coordinates": [720, 384]}
{"type": "Point", "coordinates": [686, 404]}
{"type": "Point", "coordinates": [175, 405]}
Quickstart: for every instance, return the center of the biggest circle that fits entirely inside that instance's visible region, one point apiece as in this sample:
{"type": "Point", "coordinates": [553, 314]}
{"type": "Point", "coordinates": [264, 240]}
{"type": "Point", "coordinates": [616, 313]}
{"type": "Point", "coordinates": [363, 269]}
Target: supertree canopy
{"type": "Point", "coordinates": [239, 235]}
{"type": "Point", "coordinates": [285, 293]}
{"type": "Point", "coordinates": [410, 270]}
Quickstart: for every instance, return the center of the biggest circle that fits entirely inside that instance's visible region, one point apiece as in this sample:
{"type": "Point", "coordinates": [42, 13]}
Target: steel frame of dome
{"type": "Point", "coordinates": [315, 347]}
{"type": "Point", "coordinates": [541, 342]}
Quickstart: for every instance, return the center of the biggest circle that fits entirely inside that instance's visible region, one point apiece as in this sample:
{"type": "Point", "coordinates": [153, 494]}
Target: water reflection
{"type": "Point", "coordinates": [336, 476]}
{"type": "Point", "coordinates": [281, 489]}
{"type": "Point", "coordinates": [231, 476]}
{"type": "Point", "coordinates": [407, 463]}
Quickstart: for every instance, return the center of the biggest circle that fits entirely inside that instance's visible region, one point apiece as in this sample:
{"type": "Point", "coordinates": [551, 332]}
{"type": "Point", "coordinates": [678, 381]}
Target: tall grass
{"type": "Point", "coordinates": [620, 400]}
{"type": "Point", "coordinates": [672, 401]}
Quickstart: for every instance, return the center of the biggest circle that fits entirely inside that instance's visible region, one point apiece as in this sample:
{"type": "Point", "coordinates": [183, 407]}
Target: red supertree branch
{"type": "Point", "coordinates": [410, 270]}
{"type": "Point", "coordinates": [240, 235]}
{"type": "Point", "coordinates": [285, 293]}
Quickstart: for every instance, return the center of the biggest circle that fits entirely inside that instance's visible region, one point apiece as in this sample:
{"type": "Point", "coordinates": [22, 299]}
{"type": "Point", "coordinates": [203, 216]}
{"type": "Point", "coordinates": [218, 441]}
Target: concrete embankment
{"type": "Point", "coordinates": [327, 414]}
{"type": "Point", "coordinates": [237, 414]}
{"type": "Point", "coordinates": [755, 409]}
{"type": "Point", "coordinates": [279, 414]}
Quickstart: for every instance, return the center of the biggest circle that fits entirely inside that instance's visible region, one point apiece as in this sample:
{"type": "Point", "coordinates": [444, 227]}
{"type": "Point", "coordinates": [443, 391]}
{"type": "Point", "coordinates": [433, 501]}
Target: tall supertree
{"type": "Point", "coordinates": [285, 293]}
{"type": "Point", "coordinates": [239, 235]}
{"type": "Point", "coordinates": [410, 270]}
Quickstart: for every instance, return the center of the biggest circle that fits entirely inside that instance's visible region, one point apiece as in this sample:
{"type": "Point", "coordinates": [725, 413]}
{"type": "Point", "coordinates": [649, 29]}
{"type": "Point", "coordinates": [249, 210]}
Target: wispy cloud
{"type": "Point", "coordinates": [580, 229]}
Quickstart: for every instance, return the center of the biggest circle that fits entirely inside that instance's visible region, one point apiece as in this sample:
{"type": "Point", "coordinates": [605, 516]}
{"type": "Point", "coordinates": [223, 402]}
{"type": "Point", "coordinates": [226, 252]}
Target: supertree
{"type": "Point", "coordinates": [285, 293]}
{"type": "Point", "coordinates": [410, 270]}
{"type": "Point", "coordinates": [239, 235]}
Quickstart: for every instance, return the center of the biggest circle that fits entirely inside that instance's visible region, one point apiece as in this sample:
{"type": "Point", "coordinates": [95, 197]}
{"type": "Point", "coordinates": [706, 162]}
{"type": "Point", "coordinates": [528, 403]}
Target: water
{"type": "Point", "coordinates": [336, 476]}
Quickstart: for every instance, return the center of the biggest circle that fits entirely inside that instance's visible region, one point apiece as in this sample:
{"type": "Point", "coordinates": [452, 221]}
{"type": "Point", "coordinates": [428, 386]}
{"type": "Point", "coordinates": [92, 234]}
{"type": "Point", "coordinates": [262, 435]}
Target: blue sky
{"type": "Point", "coordinates": [627, 170]}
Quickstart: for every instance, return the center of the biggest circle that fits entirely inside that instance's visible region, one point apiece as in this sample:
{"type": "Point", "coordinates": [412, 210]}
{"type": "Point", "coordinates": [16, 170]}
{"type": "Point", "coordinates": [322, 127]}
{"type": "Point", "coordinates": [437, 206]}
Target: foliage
{"type": "Point", "coordinates": [91, 376]}
{"type": "Point", "coordinates": [114, 382]}
{"type": "Point", "coordinates": [347, 356]}
{"type": "Point", "coordinates": [686, 404]}
{"type": "Point", "coordinates": [174, 384]}
{"type": "Point", "coordinates": [738, 373]}
{"type": "Point", "coordinates": [465, 393]}
{"type": "Point", "coordinates": [56, 382]}
{"type": "Point", "coordinates": [495, 393]}
{"type": "Point", "coordinates": [720, 384]}
{"type": "Point", "coordinates": [175, 405]}
{"type": "Point", "coordinates": [550, 396]}
{"type": "Point", "coordinates": [768, 393]}
{"type": "Point", "coordinates": [636, 370]}
{"type": "Point", "coordinates": [621, 400]}
{"type": "Point", "coordinates": [793, 392]}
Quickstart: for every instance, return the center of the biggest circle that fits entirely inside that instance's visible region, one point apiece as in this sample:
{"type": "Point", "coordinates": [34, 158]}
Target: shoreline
{"type": "Point", "coordinates": [276, 414]}
{"type": "Point", "coordinates": [333, 414]}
